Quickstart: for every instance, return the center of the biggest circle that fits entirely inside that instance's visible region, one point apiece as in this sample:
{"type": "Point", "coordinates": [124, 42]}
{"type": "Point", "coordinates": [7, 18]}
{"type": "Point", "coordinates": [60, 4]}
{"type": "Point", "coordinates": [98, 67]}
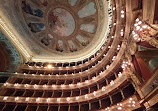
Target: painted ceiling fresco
{"type": "Point", "coordinates": [60, 23]}
{"type": "Point", "coordinates": [51, 29]}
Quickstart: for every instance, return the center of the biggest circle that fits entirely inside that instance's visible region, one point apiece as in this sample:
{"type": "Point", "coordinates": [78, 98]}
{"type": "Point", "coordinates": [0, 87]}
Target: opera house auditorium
{"type": "Point", "coordinates": [78, 55]}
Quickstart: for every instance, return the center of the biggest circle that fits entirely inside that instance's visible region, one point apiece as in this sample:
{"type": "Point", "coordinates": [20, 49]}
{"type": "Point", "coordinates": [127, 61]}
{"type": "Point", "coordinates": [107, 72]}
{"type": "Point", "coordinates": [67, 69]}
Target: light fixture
{"type": "Point", "coordinates": [48, 99]}
{"type": "Point", "coordinates": [38, 99]}
{"type": "Point", "coordinates": [86, 81]}
{"type": "Point", "coordinates": [70, 84]}
{"type": "Point", "coordinates": [141, 29]}
{"type": "Point", "coordinates": [103, 88]}
{"type": "Point", "coordinates": [107, 108]}
{"type": "Point", "coordinates": [78, 83]}
{"type": "Point", "coordinates": [122, 16]}
{"type": "Point", "coordinates": [25, 85]}
{"type": "Point", "coordinates": [58, 99]}
{"type": "Point", "coordinates": [5, 84]}
{"type": "Point", "coordinates": [5, 98]}
{"type": "Point", "coordinates": [119, 104]}
{"type": "Point", "coordinates": [16, 99]}
{"type": "Point", "coordinates": [49, 66]}
{"type": "Point", "coordinates": [140, 22]}
{"type": "Point", "coordinates": [37, 66]}
{"type": "Point", "coordinates": [118, 47]}
{"type": "Point", "coordinates": [112, 82]}
{"type": "Point", "coordinates": [62, 85]}
{"type": "Point", "coordinates": [122, 11]}
{"type": "Point", "coordinates": [86, 96]}
{"type": "Point", "coordinates": [107, 67]}
{"type": "Point", "coordinates": [113, 58]}
{"type": "Point", "coordinates": [94, 93]}
{"type": "Point", "coordinates": [68, 99]}
{"type": "Point", "coordinates": [119, 108]}
{"type": "Point", "coordinates": [100, 73]}
{"type": "Point", "coordinates": [93, 78]}
{"type": "Point", "coordinates": [27, 99]}
{"type": "Point", "coordinates": [77, 98]}
{"type": "Point", "coordinates": [133, 105]}
{"type": "Point", "coordinates": [16, 84]}
{"type": "Point", "coordinates": [144, 26]}
{"type": "Point", "coordinates": [137, 20]}
{"type": "Point", "coordinates": [53, 85]}
{"type": "Point", "coordinates": [137, 27]}
{"type": "Point", "coordinates": [44, 85]}
{"type": "Point", "coordinates": [120, 74]}
{"type": "Point", "coordinates": [34, 85]}
{"type": "Point", "coordinates": [135, 24]}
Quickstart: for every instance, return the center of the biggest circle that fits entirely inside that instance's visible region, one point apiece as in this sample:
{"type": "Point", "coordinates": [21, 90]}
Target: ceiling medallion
{"type": "Point", "coordinates": [61, 22]}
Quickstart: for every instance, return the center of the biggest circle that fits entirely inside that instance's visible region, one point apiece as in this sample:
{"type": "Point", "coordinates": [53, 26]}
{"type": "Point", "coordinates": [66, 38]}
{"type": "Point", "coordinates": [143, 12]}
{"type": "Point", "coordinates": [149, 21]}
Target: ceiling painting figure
{"type": "Point", "coordinates": [82, 40]}
{"type": "Point", "coordinates": [72, 46]}
{"type": "Point", "coordinates": [31, 9]}
{"type": "Point", "coordinates": [36, 27]}
{"type": "Point", "coordinates": [47, 39]}
{"type": "Point", "coordinates": [61, 22]}
{"type": "Point", "coordinates": [59, 46]}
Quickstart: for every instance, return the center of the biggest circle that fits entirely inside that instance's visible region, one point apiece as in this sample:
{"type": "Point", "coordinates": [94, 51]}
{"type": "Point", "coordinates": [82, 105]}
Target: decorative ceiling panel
{"type": "Point", "coordinates": [55, 31]}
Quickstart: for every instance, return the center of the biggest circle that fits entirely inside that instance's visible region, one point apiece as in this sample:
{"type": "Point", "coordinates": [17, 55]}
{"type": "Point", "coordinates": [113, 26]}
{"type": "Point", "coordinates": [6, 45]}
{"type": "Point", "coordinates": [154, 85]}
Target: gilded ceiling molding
{"type": "Point", "coordinates": [14, 39]}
